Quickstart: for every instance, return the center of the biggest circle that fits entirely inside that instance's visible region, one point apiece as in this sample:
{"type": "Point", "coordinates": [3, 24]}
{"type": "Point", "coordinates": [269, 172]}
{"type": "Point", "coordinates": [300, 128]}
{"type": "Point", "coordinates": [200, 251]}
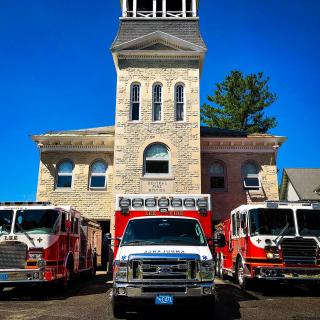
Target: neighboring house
{"type": "Point", "coordinates": [300, 185]}
{"type": "Point", "coordinates": [157, 145]}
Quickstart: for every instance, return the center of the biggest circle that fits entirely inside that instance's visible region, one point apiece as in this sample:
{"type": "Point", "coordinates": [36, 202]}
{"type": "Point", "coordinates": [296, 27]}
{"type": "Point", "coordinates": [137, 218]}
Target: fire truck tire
{"type": "Point", "coordinates": [93, 270]}
{"type": "Point", "coordinates": [243, 281]}
{"type": "Point", "coordinates": [118, 310]}
{"type": "Point", "coordinates": [67, 280]}
{"type": "Point", "coordinates": [219, 267]}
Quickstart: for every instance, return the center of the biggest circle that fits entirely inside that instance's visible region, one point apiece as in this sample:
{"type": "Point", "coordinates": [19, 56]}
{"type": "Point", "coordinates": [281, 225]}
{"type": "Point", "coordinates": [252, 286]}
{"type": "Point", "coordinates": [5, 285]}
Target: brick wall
{"type": "Point", "coordinates": [235, 195]}
{"type": "Point", "coordinates": [91, 203]}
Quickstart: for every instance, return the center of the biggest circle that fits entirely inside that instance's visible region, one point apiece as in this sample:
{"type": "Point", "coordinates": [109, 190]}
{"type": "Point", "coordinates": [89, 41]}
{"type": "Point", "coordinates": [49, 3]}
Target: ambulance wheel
{"type": "Point", "coordinates": [241, 279]}
{"type": "Point", "coordinates": [118, 310]}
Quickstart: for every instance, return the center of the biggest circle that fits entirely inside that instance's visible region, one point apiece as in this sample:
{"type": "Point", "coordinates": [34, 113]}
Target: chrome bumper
{"type": "Point", "coordinates": [14, 276]}
{"type": "Point", "coordinates": [151, 290]}
{"type": "Point", "coordinates": [270, 273]}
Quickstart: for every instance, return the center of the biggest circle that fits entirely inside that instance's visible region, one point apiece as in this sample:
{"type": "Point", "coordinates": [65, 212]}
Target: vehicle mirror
{"type": "Point", "coordinates": [220, 240]}
{"type": "Point", "coordinates": [107, 239]}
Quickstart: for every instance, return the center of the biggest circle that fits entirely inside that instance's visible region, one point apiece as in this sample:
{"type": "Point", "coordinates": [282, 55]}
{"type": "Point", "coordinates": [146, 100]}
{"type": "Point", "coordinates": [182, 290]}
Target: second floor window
{"type": "Point", "coordinates": [217, 176]}
{"type": "Point", "coordinates": [251, 180]}
{"type": "Point", "coordinates": [179, 101]}
{"type": "Point", "coordinates": [98, 175]}
{"type": "Point", "coordinates": [157, 102]}
{"type": "Point", "coordinates": [156, 159]}
{"type": "Point", "coordinates": [65, 174]}
{"type": "Point", "coordinates": [135, 102]}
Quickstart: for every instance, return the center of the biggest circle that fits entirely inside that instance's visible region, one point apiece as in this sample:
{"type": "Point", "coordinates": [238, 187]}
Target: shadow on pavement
{"type": "Point", "coordinates": [82, 286]}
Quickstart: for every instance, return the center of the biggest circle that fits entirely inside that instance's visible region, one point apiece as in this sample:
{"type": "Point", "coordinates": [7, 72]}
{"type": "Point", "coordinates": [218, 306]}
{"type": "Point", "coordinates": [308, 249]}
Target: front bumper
{"type": "Point", "coordinates": [149, 291]}
{"type": "Point", "coordinates": [276, 273]}
{"type": "Point", "coordinates": [21, 276]}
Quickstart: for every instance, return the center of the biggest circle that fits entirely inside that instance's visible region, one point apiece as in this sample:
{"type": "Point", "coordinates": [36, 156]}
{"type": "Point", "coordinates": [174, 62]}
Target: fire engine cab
{"type": "Point", "coordinates": [42, 243]}
{"type": "Point", "coordinates": [273, 241]}
{"type": "Point", "coordinates": [162, 253]}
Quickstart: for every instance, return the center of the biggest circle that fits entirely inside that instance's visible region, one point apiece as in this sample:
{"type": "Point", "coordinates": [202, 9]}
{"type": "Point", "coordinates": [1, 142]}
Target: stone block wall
{"type": "Point", "coordinates": [182, 138]}
{"type": "Point", "coordinates": [94, 204]}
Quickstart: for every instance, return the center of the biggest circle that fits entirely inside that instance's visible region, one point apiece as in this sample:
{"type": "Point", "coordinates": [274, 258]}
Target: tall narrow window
{"type": "Point", "coordinates": [251, 178]}
{"type": "Point", "coordinates": [64, 174]}
{"type": "Point", "coordinates": [156, 159]}
{"type": "Point", "coordinates": [217, 176]}
{"type": "Point", "coordinates": [157, 102]}
{"type": "Point", "coordinates": [135, 102]}
{"type": "Point", "coordinates": [179, 99]}
{"type": "Point", "coordinates": [98, 175]}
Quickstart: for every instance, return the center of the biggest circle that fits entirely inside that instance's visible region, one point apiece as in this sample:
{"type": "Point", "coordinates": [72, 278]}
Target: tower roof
{"type": "Point", "coordinates": [188, 30]}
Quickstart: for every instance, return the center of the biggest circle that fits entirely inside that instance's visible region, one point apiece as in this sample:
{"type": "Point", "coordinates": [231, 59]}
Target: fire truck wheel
{"type": "Point", "coordinates": [243, 281]}
{"type": "Point", "coordinates": [219, 267]}
{"type": "Point", "coordinates": [66, 281]}
{"type": "Point", "coordinates": [118, 310]}
{"type": "Point", "coordinates": [94, 267]}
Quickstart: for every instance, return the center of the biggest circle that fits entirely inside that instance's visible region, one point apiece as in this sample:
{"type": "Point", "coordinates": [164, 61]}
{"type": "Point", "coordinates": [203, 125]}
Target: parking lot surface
{"type": "Point", "coordinates": [91, 299]}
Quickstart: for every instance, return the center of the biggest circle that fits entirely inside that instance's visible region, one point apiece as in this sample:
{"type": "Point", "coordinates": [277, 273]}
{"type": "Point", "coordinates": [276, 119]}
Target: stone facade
{"type": "Point", "coordinates": [94, 204]}
{"type": "Point", "coordinates": [182, 138]}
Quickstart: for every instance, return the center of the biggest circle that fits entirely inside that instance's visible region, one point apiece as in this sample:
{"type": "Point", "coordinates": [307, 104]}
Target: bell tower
{"type": "Point", "coordinates": [158, 54]}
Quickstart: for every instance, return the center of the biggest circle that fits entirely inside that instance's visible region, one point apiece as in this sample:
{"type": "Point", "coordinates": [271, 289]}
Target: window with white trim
{"type": "Point", "coordinates": [251, 179]}
{"type": "Point", "coordinates": [156, 159]}
{"type": "Point", "coordinates": [179, 102]}
{"type": "Point", "coordinates": [98, 175]}
{"type": "Point", "coordinates": [135, 102]}
{"type": "Point", "coordinates": [157, 103]}
{"type": "Point", "coordinates": [65, 175]}
{"type": "Point", "coordinates": [218, 179]}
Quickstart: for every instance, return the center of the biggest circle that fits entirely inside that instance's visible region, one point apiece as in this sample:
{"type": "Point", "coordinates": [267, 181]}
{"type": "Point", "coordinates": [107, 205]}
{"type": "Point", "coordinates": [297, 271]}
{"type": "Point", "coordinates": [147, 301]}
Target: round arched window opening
{"type": "Point", "coordinates": [64, 174]}
{"type": "Point", "coordinates": [156, 159]}
{"type": "Point", "coordinates": [217, 172]}
{"type": "Point", "coordinates": [98, 175]}
{"type": "Point", "coordinates": [251, 179]}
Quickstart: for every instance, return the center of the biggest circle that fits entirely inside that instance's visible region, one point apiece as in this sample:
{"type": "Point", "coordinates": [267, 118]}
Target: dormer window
{"type": "Point", "coordinates": [159, 8]}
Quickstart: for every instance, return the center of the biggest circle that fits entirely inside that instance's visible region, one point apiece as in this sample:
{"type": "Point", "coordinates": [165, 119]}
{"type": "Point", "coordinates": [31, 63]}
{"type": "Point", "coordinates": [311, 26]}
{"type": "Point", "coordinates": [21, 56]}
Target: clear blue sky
{"type": "Point", "coordinates": [56, 72]}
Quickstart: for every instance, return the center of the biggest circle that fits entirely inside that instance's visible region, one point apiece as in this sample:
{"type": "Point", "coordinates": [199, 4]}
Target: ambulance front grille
{"type": "Point", "coordinates": [164, 270]}
{"type": "Point", "coordinates": [13, 255]}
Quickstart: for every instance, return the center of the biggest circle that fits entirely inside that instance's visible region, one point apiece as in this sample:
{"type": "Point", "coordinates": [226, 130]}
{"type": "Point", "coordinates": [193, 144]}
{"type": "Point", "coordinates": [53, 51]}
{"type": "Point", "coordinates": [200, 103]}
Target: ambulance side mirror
{"type": "Point", "coordinates": [220, 240]}
{"type": "Point", "coordinates": [107, 239]}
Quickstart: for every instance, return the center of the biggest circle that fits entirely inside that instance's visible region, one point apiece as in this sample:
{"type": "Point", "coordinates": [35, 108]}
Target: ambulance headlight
{"type": "Point", "coordinates": [207, 270]}
{"type": "Point", "coordinates": [120, 272]}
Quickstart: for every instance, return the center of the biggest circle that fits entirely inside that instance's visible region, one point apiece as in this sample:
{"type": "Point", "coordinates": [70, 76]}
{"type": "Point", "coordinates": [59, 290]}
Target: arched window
{"type": "Point", "coordinates": [65, 174]}
{"type": "Point", "coordinates": [157, 102]}
{"type": "Point", "coordinates": [218, 179]}
{"type": "Point", "coordinates": [179, 102]}
{"type": "Point", "coordinates": [156, 159]}
{"type": "Point", "coordinates": [250, 171]}
{"type": "Point", "coordinates": [98, 175]}
{"type": "Point", "coordinates": [135, 102]}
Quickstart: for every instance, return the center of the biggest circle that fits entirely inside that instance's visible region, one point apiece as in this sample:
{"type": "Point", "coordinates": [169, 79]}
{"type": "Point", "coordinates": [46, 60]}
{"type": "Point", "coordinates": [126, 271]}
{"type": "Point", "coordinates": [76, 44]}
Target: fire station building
{"type": "Point", "coordinates": [157, 145]}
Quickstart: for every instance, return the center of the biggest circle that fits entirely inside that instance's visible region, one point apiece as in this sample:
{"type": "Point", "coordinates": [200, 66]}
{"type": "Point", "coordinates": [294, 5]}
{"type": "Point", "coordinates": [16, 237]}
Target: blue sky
{"type": "Point", "coordinates": [56, 72]}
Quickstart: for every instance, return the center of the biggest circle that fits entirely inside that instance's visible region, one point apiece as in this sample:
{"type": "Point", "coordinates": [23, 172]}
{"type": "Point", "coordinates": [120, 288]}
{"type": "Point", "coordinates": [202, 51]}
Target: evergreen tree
{"type": "Point", "coordinates": [239, 104]}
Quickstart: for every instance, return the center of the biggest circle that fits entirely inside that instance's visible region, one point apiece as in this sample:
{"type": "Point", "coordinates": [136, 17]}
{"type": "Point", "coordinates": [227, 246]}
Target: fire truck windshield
{"type": "Point", "coordinates": [162, 231]}
{"type": "Point", "coordinates": [271, 222]}
{"type": "Point", "coordinates": [308, 222]}
{"type": "Point", "coordinates": [36, 221]}
{"type": "Point", "coordinates": [5, 221]}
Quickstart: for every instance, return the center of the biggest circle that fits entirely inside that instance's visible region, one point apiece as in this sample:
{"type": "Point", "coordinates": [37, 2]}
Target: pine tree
{"type": "Point", "coordinates": [239, 104]}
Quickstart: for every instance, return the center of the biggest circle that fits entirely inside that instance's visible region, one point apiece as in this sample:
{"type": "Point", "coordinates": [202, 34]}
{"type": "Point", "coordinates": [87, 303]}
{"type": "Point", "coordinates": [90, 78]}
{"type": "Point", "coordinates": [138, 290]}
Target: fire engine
{"type": "Point", "coordinates": [162, 253]}
{"type": "Point", "coordinates": [276, 241]}
{"type": "Point", "coordinates": [42, 243]}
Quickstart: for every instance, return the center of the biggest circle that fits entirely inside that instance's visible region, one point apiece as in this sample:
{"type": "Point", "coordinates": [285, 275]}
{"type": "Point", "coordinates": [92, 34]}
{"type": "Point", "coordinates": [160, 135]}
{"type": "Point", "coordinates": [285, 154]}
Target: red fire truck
{"type": "Point", "coordinates": [163, 255]}
{"type": "Point", "coordinates": [273, 241]}
{"type": "Point", "coordinates": [42, 243]}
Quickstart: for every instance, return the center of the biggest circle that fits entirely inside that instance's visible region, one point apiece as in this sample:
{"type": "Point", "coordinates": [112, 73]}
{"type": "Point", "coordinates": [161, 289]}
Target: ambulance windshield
{"type": "Point", "coordinates": [36, 221]}
{"type": "Point", "coordinates": [309, 222]}
{"type": "Point", "coordinates": [5, 221]}
{"type": "Point", "coordinates": [272, 222]}
{"type": "Point", "coordinates": [163, 231]}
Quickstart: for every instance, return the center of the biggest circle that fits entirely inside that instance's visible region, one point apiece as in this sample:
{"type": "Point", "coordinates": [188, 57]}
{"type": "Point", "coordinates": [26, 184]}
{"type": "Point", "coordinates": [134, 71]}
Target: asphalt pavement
{"type": "Point", "coordinates": [91, 299]}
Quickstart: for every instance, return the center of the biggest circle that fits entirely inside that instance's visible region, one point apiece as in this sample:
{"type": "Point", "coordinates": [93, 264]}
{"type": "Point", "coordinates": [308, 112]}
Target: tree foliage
{"type": "Point", "coordinates": [239, 103]}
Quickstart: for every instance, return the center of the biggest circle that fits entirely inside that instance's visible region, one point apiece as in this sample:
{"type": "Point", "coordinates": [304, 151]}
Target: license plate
{"type": "Point", "coordinates": [164, 299]}
{"type": "Point", "coordinates": [4, 277]}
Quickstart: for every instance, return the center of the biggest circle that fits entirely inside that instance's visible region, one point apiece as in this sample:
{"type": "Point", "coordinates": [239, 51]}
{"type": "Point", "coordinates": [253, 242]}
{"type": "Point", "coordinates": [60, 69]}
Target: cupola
{"type": "Point", "coordinates": [160, 8]}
